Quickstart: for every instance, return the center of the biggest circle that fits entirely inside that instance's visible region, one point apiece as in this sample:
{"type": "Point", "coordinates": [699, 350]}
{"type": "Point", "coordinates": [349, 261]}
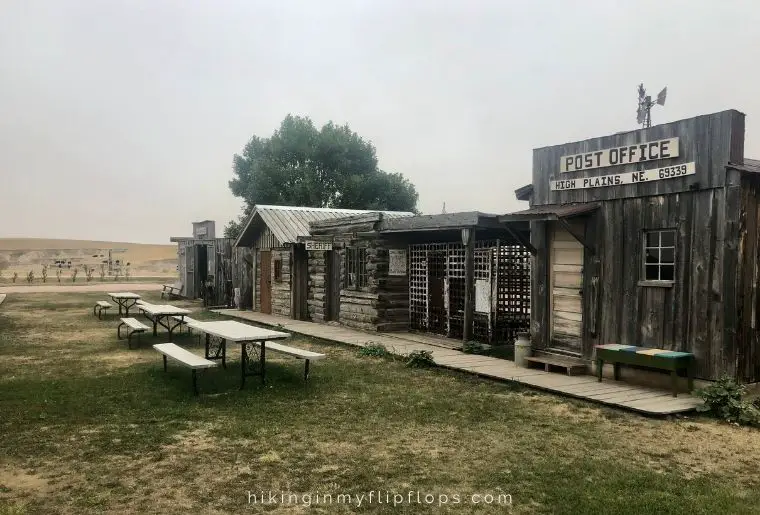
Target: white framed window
{"type": "Point", "coordinates": [660, 255]}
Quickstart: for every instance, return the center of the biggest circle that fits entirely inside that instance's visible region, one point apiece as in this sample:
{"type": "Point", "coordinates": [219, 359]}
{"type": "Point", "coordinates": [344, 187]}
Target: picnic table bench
{"type": "Point", "coordinates": [171, 290]}
{"type": "Point", "coordinates": [134, 326]}
{"type": "Point", "coordinates": [100, 306]}
{"type": "Point", "coordinates": [646, 357]}
{"type": "Point", "coordinates": [186, 358]}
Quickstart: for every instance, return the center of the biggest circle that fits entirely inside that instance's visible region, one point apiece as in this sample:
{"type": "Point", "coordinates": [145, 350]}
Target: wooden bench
{"type": "Point", "coordinates": [100, 306]}
{"type": "Point", "coordinates": [572, 366]}
{"type": "Point", "coordinates": [171, 290]}
{"type": "Point", "coordinates": [185, 357]}
{"type": "Point", "coordinates": [671, 361]}
{"type": "Point", "coordinates": [297, 353]}
{"type": "Point", "coordinates": [133, 326]}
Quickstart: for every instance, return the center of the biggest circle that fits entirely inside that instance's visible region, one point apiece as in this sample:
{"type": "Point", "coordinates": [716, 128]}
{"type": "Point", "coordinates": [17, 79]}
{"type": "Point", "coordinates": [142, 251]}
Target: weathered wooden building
{"type": "Point", "coordinates": [211, 268]}
{"type": "Point", "coordinates": [279, 260]}
{"type": "Point", "coordinates": [649, 238]}
{"type": "Point", "coordinates": [460, 275]}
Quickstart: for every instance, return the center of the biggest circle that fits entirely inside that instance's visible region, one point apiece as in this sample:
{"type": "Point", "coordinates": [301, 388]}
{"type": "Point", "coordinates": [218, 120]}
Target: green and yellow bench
{"type": "Point", "coordinates": [672, 361]}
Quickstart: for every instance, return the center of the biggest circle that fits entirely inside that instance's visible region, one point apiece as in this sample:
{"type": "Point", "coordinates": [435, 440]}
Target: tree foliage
{"type": "Point", "coordinates": [301, 165]}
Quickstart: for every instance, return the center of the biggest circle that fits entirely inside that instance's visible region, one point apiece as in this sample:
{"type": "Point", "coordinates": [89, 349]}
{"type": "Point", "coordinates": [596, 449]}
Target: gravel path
{"type": "Point", "coordinates": [64, 288]}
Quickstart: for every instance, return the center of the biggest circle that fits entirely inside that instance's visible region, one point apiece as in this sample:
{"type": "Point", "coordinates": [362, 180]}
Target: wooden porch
{"type": "Point", "coordinates": [649, 401]}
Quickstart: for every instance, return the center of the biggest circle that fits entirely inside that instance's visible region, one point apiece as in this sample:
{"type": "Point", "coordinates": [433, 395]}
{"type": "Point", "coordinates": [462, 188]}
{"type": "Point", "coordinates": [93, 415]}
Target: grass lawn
{"type": "Point", "coordinates": [89, 426]}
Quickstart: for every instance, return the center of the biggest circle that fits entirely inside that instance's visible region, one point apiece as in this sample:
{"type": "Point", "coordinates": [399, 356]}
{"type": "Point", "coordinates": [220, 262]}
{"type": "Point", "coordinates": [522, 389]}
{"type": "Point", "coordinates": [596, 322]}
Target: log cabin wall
{"type": "Point", "coordinates": [709, 308]}
{"type": "Point", "coordinates": [281, 285]}
{"type": "Point", "coordinates": [380, 302]}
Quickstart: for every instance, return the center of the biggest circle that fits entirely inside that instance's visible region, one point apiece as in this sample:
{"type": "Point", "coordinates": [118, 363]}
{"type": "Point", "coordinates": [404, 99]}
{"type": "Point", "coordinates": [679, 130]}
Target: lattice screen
{"type": "Point", "coordinates": [437, 289]}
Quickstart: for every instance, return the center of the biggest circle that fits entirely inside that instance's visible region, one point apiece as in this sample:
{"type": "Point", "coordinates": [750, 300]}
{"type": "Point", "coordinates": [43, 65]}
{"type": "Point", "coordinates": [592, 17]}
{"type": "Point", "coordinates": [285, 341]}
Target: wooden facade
{"type": "Point", "coordinates": [212, 269]}
{"type": "Point", "coordinates": [283, 271]}
{"type": "Point", "coordinates": [698, 231]}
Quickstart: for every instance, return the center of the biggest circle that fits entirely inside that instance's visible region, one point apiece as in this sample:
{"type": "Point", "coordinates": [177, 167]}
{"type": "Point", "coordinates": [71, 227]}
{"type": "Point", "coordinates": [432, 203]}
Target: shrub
{"type": "Point", "coordinates": [473, 348]}
{"type": "Point", "coordinates": [74, 275]}
{"type": "Point", "coordinates": [102, 272]}
{"type": "Point", "coordinates": [375, 350]}
{"type": "Point", "coordinates": [725, 400]}
{"type": "Point", "coordinates": [420, 359]}
{"type": "Point", "coordinates": [15, 276]}
{"type": "Point", "coordinates": [44, 273]}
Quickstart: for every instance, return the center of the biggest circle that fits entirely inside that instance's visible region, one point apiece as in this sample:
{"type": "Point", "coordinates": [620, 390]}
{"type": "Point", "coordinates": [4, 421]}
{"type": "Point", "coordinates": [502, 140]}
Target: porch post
{"type": "Point", "coordinates": [468, 240]}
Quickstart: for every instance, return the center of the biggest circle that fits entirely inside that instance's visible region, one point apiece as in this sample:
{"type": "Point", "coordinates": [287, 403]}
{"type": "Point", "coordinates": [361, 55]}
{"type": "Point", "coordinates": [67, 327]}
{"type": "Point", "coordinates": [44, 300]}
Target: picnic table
{"type": "Point", "coordinates": [125, 299]}
{"type": "Point", "coordinates": [169, 317]}
{"type": "Point", "coordinates": [252, 341]}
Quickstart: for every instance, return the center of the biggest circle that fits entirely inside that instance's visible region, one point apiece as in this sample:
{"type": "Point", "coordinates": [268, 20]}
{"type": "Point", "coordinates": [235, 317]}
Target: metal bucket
{"type": "Point", "coordinates": [522, 349]}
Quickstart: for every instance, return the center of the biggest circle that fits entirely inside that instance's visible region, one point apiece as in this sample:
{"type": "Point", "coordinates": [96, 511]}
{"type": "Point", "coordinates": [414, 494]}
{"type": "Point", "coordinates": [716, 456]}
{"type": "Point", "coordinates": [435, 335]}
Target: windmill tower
{"type": "Point", "coordinates": [643, 113]}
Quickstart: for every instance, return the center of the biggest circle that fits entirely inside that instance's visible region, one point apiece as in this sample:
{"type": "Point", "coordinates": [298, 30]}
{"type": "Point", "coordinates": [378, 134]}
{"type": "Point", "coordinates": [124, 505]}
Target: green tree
{"type": "Point", "coordinates": [301, 165]}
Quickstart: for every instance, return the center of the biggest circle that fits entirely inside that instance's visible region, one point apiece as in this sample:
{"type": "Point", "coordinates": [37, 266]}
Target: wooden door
{"type": "Point", "coordinates": [332, 286]}
{"type": "Point", "coordinates": [300, 282]}
{"type": "Point", "coordinates": [266, 281]}
{"type": "Point", "coordinates": [566, 280]}
{"type": "Point", "coordinates": [189, 272]}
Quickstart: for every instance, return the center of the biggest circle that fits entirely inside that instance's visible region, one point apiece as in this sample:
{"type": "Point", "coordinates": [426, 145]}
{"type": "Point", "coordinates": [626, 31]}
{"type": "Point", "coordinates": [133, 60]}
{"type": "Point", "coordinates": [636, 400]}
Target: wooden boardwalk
{"type": "Point", "coordinates": [649, 401]}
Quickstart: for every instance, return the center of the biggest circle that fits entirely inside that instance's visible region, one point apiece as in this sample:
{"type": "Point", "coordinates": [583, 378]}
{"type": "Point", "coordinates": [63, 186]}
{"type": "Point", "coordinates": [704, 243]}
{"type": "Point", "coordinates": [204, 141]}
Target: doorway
{"type": "Point", "coordinates": [566, 287]}
{"type": "Point", "coordinates": [201, 271]}
{"type": "Point", "coordinates": [332, 286]}
{"type": "Point", "coordinates": [266, 282]}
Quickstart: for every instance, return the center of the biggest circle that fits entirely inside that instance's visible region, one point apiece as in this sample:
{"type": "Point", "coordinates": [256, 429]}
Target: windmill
{"type": "Point", "coordinates": [643, 113]}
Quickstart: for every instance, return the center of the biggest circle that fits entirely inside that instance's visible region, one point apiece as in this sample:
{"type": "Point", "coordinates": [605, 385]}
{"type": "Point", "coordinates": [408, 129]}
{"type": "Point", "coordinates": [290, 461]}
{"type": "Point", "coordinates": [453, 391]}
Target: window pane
{"type": "Point", "coordinates": [653, 239]}
{"type": "Point", "coordinates": [653, 256]}
{"type": "Point", "coordinates": [667, 272]}
{"type": "Point", "coordinates": [668, 239]}
{"type": "Point", "coordinates": [667, 255]}
{"type": "Point", "coordinates": [651, 273]}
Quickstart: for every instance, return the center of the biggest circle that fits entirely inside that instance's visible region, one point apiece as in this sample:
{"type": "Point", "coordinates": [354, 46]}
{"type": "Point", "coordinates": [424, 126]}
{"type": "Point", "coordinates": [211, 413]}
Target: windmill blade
{"type": "Point", "coordinates": [661, 96]}
{"type": "Point", "coordinates": [640, 116]}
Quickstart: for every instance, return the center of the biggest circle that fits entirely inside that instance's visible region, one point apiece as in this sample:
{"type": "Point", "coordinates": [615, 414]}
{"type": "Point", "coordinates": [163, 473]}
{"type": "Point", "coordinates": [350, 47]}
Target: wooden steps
{"type": "Point", "coordinates": [572, 366]}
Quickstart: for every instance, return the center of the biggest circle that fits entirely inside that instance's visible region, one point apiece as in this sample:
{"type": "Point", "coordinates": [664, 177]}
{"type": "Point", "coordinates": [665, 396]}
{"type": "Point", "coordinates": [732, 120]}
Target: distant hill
{"type": "Point", "coordinates": [25, 254]}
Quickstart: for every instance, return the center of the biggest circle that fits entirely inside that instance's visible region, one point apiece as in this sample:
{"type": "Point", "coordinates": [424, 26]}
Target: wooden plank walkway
{"type": "Point", "coordinates": [641, 399]}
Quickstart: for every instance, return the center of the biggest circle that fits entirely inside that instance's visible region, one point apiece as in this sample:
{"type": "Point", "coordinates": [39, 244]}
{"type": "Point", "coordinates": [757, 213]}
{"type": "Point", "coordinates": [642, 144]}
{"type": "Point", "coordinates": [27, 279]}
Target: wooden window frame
{"type": "Point", "coordinates": [355, 268]}
{"type": "Point", "coordinates": [659, 264]}
{"type": "Point", "coordinates": [277, 269]}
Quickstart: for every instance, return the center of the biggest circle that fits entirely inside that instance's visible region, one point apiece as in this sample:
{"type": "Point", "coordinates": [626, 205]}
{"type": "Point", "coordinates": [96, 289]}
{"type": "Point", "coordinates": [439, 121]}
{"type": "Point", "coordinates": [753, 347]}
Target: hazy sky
{"type": "Point", "coordinates": [119, 119]}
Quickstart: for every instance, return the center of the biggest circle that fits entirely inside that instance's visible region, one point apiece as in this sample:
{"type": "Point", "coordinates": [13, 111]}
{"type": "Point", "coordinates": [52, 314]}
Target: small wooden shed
{"type": "Point", "coordinates": [280, 263]}
{"type": "Point", "coordinates": [652, 238]}
{"type": "Point", "coordinates": [210, 268]}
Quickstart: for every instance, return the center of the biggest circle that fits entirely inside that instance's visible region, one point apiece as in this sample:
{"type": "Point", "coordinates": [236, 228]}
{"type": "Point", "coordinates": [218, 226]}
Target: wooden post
{"type": "Point", "coordinates": [468, 240]}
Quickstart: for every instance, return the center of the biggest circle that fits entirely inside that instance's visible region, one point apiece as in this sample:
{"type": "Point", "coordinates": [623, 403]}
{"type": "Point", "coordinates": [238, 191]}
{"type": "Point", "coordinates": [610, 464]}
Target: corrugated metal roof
{"type": "Point", "coordinates": [287, 223]}
{"type": "Point", "coordinates": [549, 212]}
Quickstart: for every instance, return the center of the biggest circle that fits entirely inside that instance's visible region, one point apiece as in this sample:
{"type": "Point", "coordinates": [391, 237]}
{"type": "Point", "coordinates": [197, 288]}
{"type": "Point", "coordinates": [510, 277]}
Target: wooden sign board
{"type": "Point", "coordinates": [655, 174]}
{"type": "Point", "coordinates": [318, 245]}
{"type": "Point", "coordinates": [397, 262]}
{"type": "Point", "coordinates": [482, 296]}
{"type": "Point", "coordinates": [629, 154]}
